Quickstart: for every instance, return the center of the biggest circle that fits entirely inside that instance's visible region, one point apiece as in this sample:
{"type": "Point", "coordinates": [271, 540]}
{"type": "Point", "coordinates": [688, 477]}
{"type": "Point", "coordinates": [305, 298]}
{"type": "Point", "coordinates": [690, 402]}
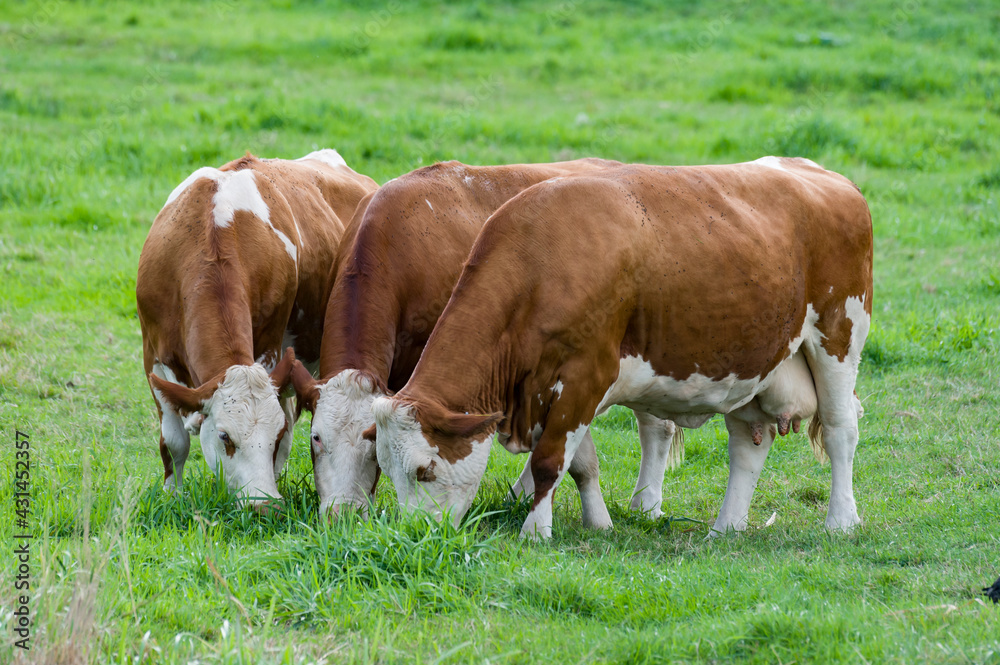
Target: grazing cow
{"type": "Point", "coordinates": [235, 267]}
{"type": "Point", "coordinates": [683, 292]}
{"type": "Point", "coordinates": [397, 265]}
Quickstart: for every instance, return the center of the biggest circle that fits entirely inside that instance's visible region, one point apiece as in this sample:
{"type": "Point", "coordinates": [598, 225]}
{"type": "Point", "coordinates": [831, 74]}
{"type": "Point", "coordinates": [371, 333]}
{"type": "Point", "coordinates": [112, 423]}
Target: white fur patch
{"type": "Point", "coordinates": [238, 191]}
{"type": "Point", "coordinates": [770, 162]}
{"type": "Point", "coordinates": [640, 388]}
{"type": "Point", "coordinates": [557, 388]}
{"type": "Point", "coordinates": [328, 156]}
{"type": "Point", "coordinates": [172, 425]}
{"type": "Point", "coordinates": [429, 205]}
{"type": "Point", "coordinates": [204, 172]}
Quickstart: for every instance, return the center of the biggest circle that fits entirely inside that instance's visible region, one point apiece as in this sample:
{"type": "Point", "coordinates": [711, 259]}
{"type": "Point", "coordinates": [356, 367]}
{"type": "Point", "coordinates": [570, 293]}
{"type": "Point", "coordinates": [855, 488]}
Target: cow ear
{"type": "Point", "coordinates": [283, 370]}
{"type": "Point", "coordinates": [183, 399]}
{"type": "Point", "coordinates": [306, 387]}
{"type": "Point", "coordinates": [465, 425]}
{"type": "Point", "coordinates": [369, 434]}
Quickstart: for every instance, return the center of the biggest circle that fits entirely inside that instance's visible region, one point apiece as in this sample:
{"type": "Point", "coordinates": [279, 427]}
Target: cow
{"type": "Point", "coordinates": [682, 292]}
{"type": "Point", "coordinates": [236, 266]}
{"type": "Point", "coordinates": [399, 261]}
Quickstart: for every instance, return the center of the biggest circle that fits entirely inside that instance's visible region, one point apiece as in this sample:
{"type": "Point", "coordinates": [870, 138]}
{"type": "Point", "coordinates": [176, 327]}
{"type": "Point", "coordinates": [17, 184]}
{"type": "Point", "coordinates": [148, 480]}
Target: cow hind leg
{"type": "Point", "coordinates": [662, 447]}
{"type": "Point", "coordinates": [746, 459]}
{"type": "Point", "coordinates": [837, 413]}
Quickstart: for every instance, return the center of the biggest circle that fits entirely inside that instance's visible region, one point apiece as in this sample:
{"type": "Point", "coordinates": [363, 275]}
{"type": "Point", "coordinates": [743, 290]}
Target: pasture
{"type": "Point", "coordinates": [105, 107]}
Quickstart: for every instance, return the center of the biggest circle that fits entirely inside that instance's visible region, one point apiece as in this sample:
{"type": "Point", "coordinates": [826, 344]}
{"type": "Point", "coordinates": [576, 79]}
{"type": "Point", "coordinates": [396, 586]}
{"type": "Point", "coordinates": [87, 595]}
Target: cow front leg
{"type": "Point", "coordinates": [525, 485]}
{"type": "Point", "coordinates": [285, 443]}
{"type": "Point", "coordinates": [746, 459]}
{"type": "Point", "coordinates": [549, 462]}
{"type": "Point", "coordinates": [175, 444]}
{"type": "Point", "coordinates": [586, 473]}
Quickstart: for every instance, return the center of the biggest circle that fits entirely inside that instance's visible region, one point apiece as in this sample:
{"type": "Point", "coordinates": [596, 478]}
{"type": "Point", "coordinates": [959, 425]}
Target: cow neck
{"type": "Point", "coordinates": [218, 323]}
{"type": "Point", "coordinates": [361, 322]}
{"type": "Point", "coordinates": [476, 331]}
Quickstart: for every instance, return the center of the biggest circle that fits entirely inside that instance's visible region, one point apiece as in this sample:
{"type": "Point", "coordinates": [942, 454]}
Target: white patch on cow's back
{"type": "Point", "coordinates": [238, 191]}
{"type": "Point", "coordinates": [770, 162]}
{"type": "Point", "coordinates": [209, 172]}
{"type": "Point", "coordinates": [328, 156]}
{"type": "Point", "coordinates": [557, 387]}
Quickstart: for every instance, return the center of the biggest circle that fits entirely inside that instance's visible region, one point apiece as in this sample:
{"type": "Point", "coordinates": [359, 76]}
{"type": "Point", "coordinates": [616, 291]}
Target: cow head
{"type": "Point", "coordinates": [344, 462]}
{"type": "Point", "coordinates": [435, 458]}
{"type": "Point", "coordinates": [242, 424]}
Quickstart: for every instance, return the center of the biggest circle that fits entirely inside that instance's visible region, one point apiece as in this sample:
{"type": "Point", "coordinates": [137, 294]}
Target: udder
{"type": "Point", "coordinates": [788, 399]}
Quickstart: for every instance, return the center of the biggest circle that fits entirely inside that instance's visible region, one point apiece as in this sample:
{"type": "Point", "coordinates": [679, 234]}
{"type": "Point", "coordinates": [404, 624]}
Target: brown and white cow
{"type": "Point", "coordinates": [235, 267]}
{"type": "Point", "coordinates": [399, 261]}
{"type": "Point", "coordinates": [683, 292]}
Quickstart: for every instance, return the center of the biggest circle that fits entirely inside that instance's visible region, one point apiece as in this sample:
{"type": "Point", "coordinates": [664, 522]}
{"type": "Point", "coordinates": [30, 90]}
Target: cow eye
{"type": "Point", "coordinates": [316, 440]}
{"type": "Point", "coordinates": [224, 437]}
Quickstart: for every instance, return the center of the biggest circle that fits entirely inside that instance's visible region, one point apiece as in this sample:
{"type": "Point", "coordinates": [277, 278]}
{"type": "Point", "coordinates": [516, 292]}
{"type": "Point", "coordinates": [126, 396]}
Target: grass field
{"type": "Point", "coordinates": [105, 107]}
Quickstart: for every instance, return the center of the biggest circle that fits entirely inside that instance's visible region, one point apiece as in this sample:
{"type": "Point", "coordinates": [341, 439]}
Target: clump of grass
{"type": "Point", "coordinates": [399, 562]}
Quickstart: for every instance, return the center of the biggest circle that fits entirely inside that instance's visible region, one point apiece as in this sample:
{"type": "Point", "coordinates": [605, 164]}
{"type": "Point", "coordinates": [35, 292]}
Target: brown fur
{"type": "Point", "coordinates": [400, 260]}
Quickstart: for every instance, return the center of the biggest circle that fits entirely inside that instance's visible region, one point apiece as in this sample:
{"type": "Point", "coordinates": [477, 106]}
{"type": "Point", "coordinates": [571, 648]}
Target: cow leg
{"type": "Point", "coordinates": [525, 485]}
{"type": "Point", "coordinates": [838, 411]}
{"type": "Point", "coordinates": [175, 444]}
{"type": "Point", "coordinates": [285, 444]}
{"type": "Point", "coordinates": [656, 438]}
{"type": "Point", "coordinates": [549, 463]}
{"type": "Point", "coordinates": [586, 472]}
{"type": "Point", "coordinates": [745, 463]}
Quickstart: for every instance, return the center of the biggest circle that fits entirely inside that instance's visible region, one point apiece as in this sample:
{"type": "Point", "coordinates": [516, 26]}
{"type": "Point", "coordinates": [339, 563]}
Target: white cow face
{"type": "Point", "coordinates": [344, 462]}
{"type": "Point", "coordinates": [242, 424]}
{"type": "Point", "coordinates": [424, 478]}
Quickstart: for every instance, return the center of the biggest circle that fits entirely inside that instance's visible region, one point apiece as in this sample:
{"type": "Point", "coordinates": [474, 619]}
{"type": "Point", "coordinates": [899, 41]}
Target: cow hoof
{"type": "Point", "coordinates": [843, 526]}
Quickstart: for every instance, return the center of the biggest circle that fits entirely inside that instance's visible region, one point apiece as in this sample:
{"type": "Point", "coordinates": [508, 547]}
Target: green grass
{"type": "Point", "coordinates": [105, 107]}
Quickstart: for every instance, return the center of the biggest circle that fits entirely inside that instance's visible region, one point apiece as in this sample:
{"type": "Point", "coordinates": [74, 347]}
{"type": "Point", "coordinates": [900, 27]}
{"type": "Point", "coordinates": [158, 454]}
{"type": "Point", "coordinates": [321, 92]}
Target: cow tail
{"type": "Point", "coordinates": [676, 454]}
{"type": "Point", "coordinates": [816, 439]}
